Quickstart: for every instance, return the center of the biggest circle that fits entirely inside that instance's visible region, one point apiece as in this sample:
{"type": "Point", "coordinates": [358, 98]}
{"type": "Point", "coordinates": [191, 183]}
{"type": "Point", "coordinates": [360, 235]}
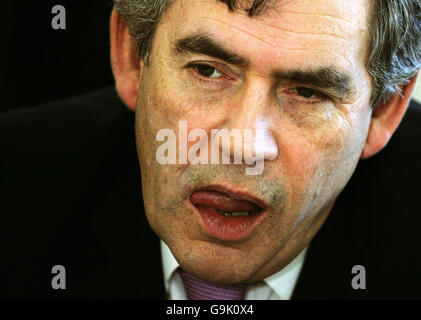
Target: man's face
{"type": "Point", "coordinates": [297, 72]}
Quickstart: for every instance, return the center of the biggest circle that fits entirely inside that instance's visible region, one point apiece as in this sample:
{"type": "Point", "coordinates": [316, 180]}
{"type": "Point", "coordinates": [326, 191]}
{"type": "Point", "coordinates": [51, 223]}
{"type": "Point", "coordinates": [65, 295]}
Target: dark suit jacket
{"type": "Point", "coordinates": [70, 195]}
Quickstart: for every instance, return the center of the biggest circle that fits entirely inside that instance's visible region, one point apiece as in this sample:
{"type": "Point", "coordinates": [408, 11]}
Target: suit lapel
{"type": "Point", "coordinates": [133, 267]}
{"type": "Point", "coordinates": [338, 246]}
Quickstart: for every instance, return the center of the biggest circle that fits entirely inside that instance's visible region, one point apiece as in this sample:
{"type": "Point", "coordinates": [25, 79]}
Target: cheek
{"type": "Point", "coordinates": [162, 106]}
{"type": "Point", "coordinates": [305, 116]}
{"type": "Point", "coordinates": [299, 163]}
{"type": "Point", "coordinates": [311, 160]}
{"type": "Point", "coordinates": [158, 107]}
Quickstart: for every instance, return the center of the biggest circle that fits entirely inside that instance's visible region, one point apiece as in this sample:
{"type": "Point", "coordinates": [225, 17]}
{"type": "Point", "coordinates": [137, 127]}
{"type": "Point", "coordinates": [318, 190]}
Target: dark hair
{"type": "Point", "coordinates": [394, 29]}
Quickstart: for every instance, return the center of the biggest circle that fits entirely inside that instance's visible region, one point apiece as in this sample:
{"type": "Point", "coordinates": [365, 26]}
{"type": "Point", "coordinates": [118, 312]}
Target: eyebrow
{"type": "Point", "coordinates": [202, 43]}
{"type": "Point", "coordinates": [336, 82]}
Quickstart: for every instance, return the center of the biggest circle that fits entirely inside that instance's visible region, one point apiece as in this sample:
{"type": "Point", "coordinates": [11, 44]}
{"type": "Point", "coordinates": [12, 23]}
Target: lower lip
{"type": "Point", "coordinates": [229, 228]}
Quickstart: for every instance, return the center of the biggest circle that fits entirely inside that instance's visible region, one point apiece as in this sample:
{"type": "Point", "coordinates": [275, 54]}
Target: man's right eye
{"type": "Point", "coordinates": [208, 71]}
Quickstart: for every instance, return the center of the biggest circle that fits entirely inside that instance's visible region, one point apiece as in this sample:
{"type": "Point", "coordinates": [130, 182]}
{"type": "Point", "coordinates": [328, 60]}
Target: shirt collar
{"type": "Point", "coordinates": [282, 282]}
{"type": "Point", "coordinates": [169, 264]}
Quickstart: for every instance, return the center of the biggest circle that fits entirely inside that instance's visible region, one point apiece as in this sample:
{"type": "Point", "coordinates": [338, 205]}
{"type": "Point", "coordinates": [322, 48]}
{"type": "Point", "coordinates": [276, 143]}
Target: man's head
{"type": "Point", "coordinates": [306, 73]}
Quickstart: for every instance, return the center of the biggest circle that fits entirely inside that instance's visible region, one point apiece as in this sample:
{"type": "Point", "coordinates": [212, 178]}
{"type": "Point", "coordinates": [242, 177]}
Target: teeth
{"type": "Point", "coordinates": [228, 214]}
{"type": "Point", "coordinates": [234, 214]}
{"type": "Point", "coordinates": [241, 214]}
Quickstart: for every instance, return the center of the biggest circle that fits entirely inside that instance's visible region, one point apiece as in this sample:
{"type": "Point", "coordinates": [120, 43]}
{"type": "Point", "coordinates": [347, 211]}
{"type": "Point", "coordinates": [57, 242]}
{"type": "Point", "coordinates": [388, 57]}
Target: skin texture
{"type": "Point", "coordinates": [312, 144]}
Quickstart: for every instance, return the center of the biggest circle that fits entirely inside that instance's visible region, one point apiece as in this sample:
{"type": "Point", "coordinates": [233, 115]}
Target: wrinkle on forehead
{"type": "Point", "coordinates": [331, 17]}
{"type": "Point", "coordinates": [333, 12]}
{"type": "Point", "coordinates": [298, 31]}
{"type": "Point", "coordinates": [340, 12]}
{"type": "Point", "coordinates": [282, 43]}
{"type": "Point", "coordinates": [313, 20]}
{"type": "Point", "coordinates": [296, 25]}
{"type": "Point", "coordinates": [344, 10]}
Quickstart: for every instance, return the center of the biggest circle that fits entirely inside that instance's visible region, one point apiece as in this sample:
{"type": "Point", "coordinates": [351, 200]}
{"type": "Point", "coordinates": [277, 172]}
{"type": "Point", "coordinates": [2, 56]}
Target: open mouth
{"type": "Point", "coordinates": [228, 215]}
{"type": "Point", "coordinates": [224, 204]}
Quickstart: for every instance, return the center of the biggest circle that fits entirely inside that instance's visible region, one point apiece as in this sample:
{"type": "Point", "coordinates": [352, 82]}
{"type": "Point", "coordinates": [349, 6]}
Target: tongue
{"type": "Point", "coordinates": [221, 201]}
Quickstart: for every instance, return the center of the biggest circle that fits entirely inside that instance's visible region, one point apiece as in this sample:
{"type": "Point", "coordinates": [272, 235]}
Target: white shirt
{"type": "Point", "coordinates": [278, 286]}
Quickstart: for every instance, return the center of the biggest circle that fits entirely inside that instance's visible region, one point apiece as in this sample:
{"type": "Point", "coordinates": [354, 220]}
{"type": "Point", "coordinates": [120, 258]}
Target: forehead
{"type": "Point", "coordinates": [299, 32]}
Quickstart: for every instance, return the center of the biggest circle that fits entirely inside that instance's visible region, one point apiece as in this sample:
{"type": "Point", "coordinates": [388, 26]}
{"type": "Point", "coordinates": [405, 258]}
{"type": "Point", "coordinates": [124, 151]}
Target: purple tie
{"type": "Point", "coordinates": [197, 289]}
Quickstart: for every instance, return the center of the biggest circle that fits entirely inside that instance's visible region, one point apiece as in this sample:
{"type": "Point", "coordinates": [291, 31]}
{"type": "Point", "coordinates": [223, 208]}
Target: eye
{"type": "Point", "coordinates": [207, 71]}
{"type": "Point", "coordinates": [308, 94]}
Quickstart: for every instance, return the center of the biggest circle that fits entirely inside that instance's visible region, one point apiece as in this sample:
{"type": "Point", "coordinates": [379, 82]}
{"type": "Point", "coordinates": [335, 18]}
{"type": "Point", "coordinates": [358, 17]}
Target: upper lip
{"type": "Point", "coordinates": [235, 194]}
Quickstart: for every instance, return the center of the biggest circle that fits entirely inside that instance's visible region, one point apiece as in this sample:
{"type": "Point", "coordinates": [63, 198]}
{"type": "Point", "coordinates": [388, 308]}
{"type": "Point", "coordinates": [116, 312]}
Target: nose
{"type": "Point", "coordinates": [263, 145]}
{"type": "Point", "coordinates": [251, 118]}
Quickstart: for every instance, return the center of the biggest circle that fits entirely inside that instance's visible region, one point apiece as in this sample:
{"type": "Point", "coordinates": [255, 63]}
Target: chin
{"type": "Point", "coordinates": [215, 263]}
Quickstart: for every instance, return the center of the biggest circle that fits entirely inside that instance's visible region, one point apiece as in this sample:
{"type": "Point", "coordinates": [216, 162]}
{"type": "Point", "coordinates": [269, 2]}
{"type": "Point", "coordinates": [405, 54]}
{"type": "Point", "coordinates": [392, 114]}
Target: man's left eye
{"type": "Point", "coordinates": [308, 93]}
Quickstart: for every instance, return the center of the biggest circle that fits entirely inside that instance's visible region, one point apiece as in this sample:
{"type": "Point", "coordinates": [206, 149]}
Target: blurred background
{"type": "Point", "coordinates": [40, 64]}
{"type": "Point", "coordinates": [417, 94]}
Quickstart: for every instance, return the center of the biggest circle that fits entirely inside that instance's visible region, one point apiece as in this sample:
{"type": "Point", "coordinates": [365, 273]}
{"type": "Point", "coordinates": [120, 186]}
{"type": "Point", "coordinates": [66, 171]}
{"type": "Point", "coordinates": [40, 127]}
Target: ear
{"type": "Point", "coordinates": [386, 119]}
{"type": "Point", "coordinates": [125, 62]}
